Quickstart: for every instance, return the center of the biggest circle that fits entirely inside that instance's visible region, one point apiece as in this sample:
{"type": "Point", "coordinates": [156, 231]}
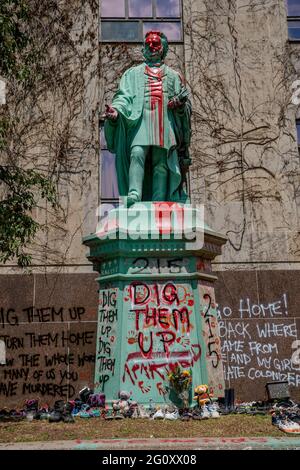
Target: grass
{"type": "Point", "coordinates": [97, 428]}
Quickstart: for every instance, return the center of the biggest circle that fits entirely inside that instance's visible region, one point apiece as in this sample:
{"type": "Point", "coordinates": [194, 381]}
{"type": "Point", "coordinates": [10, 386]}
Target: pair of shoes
{"type": "Point", "coordinates": [172, 415]}
{"type": "Point", "coordinates": [142, 412]}
{"type": "Point", "coordinates": [31, 409]}
{"type": "Point", "coordinates": [197, 414]}
{"type": "Point", "coordinates": [61, 412]}
{"type": "Point", "coordinates": [213, 410]}
{"type": "Point", "coordinates": [186, 416]}
{"type": "Point", "coordinates": [14, 415]}
{"type": "Point", "coordinates": [289, 427]}
{"type": "Point", "coordinates": [43, 413]}
{"type": "Point", "coordinates": [159, 414]}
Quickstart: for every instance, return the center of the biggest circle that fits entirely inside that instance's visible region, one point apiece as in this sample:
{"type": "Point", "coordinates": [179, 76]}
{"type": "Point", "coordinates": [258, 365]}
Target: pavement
{"type": "Point", "coordinates": [204, 443]}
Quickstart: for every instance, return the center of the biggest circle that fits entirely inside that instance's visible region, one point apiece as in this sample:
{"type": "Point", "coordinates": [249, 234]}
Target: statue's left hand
{"type": "Point", "coordinates": [175, 103]}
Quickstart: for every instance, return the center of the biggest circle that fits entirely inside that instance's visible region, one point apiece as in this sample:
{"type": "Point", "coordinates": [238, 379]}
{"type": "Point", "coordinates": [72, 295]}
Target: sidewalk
{"type": "Point", "coordinates": [206, 443]}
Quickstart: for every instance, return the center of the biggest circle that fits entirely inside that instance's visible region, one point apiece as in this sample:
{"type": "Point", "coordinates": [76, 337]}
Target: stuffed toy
{"type": "Point", "coordinates": [124, 405]}
{"type": "Point", "coordinates": [202, 395]}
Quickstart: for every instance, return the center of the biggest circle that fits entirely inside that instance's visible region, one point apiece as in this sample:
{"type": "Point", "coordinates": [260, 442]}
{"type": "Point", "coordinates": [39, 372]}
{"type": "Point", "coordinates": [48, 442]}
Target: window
{"type": "Point", "coordinates": [293, 11]}
{"type": "Point", "coordinates": [108, 174]}
{"type": "Point", "coordinates": [129, 20]}
{"type": "Point", "coordinates": [298, 131]}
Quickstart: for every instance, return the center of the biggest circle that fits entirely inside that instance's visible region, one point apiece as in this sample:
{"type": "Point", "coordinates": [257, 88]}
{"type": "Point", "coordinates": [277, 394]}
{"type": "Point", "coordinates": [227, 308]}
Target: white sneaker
{"type": "Point", "coordinates": [213, 410]}
{"type": "Point", "coordinates": [289, 427]}
{"type": "Point", "coordinates": [172, 416]}
{"type": "Point", "coordinates": [159, 415]}
{"type": "Point", "coordinates": [205, 413]}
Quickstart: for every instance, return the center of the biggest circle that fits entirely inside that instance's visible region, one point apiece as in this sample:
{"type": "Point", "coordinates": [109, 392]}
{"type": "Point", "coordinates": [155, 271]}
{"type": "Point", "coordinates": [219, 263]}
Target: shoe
{"type": "Point", "coordinates": [118, 415]}
{"type": "Point", "coordinates": [109, 415]}
{"type": "Point", "coordinates": [4, 414]}
{"type": "Point", "coordinates": [159, 415]}
{"type": "Point", "coordinates": [205, 413]}
{"type": "Point", "coordinates": [132, 198]}
{"type": "Point", "coordinates": [289, 427]}
{"type": "Point", "coordinates": [172, 416]}
{"type": "Point", "coordinates": [197, 414]}
{"type": "Point", "coordinates": [77, 407]}
{"type": "Point", "coordinates": [95, 413]}
{"type": "Point", "coordinates": [85, 411]}
{"type": "Point", "coordinates": [135, 413]}
{"type": "Point", "coordinates": [186, 416]}
{"type": "Point", "coordinates": [56, 414]}
{"type": "Point", "coordinates": [96, 400]}
{"type": "Point", "coordinates": [67, 416]}
{"type": "Point", "coordinates": [85, 393]}
{"type": "Point", "coordinates": [142, 412]}
{"type": "Point", "coordinates": [213, 411]}
{"type": "Point", "coordinates": [17, 415]}
{"type": "Point", "coordinates": [31, 409]}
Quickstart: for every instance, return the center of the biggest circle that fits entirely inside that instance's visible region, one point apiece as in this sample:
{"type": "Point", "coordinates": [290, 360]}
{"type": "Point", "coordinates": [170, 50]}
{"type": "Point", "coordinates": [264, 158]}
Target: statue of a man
{"type": "Point", "coordinates": [148, 128]}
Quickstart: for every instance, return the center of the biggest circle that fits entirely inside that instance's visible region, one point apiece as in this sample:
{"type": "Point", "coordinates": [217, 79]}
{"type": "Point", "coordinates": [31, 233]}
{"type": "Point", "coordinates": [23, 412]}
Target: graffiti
{"type": "Point", "coordinates": [247, 309]}
{"type": "Point", "coordinates": [158, 265]}
{"type": "Point", "coordinates": [256, 351]}
{"type": "Point", "coordinates": [159, 365]}
{"type": "Point", "coordinates": [212, 340]}
{"type": "Point", "coordinates": [106, 337]}
{"type": "Point", "coordinates": [160, 331]}
{"type": "Point", "coordinates": [28, 368]}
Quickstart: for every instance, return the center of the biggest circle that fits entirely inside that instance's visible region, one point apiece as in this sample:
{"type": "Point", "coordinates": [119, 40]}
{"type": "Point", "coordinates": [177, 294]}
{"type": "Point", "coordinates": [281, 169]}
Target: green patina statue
{"type": "Point", "coordinates": [148, 128]}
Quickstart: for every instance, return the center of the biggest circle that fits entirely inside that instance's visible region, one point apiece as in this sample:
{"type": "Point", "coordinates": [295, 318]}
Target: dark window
{"type": "Point", "coordinates": [120, 30]}
{"type": "Point", "coordinates": [108, 175]}
{"type": "Point", "coordinates": [129, 20]}
{"type": "Point", "coordinates": [294, 29]}
{"type": "Point", "coordinates": [298, 131]}
{"type": "Point", "coordinates": [293, 11]}
{"type": "Point", "coordinates": [293, 7]}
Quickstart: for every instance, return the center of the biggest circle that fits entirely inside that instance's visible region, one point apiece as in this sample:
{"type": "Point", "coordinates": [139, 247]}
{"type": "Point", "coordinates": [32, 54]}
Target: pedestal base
{"type": "Point", "coordinates": [156, 307]}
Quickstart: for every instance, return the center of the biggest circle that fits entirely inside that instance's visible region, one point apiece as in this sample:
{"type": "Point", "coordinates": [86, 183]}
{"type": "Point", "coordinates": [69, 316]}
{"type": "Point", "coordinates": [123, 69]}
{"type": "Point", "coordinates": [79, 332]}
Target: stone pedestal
{"type": "Point", "coordinates": [156, 300]}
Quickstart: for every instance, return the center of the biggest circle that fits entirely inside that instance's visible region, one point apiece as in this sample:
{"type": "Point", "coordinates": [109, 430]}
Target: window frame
{"type": "Point", "coordinates": [141, 21]}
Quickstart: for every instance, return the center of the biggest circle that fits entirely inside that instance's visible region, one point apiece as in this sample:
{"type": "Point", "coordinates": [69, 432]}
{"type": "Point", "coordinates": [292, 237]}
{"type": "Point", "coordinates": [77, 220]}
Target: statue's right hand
{"type": "Point", "coordinates": [111, 113]}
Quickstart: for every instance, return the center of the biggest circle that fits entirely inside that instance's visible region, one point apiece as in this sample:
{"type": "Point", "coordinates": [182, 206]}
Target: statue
{"type": "Point", "coordinates": [148, 128]}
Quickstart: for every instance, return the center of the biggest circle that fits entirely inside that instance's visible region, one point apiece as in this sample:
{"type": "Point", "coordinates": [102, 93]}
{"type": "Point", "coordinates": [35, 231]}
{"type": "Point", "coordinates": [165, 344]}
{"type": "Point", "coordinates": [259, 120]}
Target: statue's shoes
{"type": "Point", "coordinates": [132, 198]}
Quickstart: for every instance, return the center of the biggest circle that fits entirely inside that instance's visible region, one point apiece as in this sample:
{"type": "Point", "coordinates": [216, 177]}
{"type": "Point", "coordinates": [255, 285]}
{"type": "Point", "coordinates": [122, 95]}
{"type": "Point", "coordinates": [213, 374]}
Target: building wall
{"type": "Point", "coordinates": [239, 68]}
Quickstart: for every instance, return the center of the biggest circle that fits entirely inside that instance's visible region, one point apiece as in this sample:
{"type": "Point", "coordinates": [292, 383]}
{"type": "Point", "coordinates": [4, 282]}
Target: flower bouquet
{"type": "Point", "coordinates": [180, 386]}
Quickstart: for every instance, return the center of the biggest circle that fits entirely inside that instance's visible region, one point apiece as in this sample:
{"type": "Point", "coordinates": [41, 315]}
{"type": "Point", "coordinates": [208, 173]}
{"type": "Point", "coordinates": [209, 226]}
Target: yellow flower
{"type": "Point", "coordinates": [186, 373]}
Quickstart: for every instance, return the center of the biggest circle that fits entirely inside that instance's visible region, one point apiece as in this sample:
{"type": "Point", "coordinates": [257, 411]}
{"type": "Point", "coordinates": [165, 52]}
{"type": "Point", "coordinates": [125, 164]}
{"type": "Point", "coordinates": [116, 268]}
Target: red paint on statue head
{"type": "Point", "coordinates": [153, 40]}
